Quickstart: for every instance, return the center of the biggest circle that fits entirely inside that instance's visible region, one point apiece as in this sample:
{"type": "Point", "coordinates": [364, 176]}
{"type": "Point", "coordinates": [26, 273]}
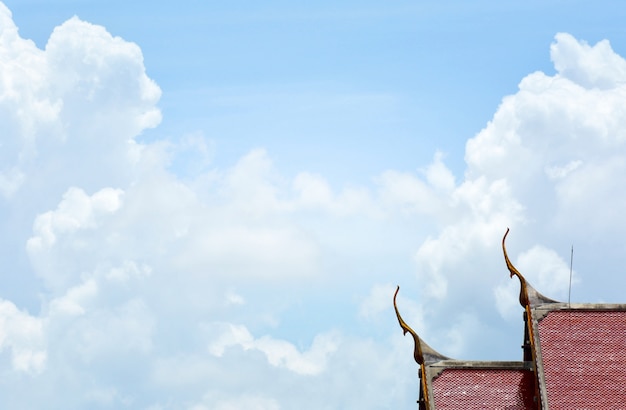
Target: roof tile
{"type": "Point", "coordinates": [583, 355]}
{"type": "Point", "coordinates": [481, 389]}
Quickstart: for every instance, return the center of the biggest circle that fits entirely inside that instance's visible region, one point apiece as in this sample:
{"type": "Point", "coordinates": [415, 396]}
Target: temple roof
{"type": "Point", "coordinates": [574, 358]}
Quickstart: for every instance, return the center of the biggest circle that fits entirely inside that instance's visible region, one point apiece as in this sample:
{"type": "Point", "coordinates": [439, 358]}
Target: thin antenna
{"type": "Point", "coordinates": [571, 264]}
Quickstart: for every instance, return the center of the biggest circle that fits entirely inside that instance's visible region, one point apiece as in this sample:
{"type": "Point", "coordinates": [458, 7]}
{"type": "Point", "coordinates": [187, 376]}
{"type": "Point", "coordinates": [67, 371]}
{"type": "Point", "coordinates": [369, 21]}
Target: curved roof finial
{"type": "Point", "coordinates": [417, 351]}
{"type": "Point", "coordinates": [528, 296]}
{"type": "Point", "coordinates": [422, 353]}
{"type": "Point", "coordinates": [523, 294]}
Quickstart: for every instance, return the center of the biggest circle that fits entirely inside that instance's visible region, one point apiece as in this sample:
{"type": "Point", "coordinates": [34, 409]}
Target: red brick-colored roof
{"type": "Point", "coordinates": [481, 389]}
{"type": "Point", "coordinates": [583, 357]}
{"type": "Point", "coordinates": [574, 358]}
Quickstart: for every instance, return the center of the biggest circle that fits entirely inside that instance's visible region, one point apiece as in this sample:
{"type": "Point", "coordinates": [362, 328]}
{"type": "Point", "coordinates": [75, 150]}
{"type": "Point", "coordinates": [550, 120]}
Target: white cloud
{"type": "Point", "coordinates": [409, 193]}
{"type": "Point", "coordinates": [546, 270]}
{"type": "Point", "coordinates": [127, 328]}
{"type": "Point", "coordinates": [590, 66]}
{"type": "Point", "coordinates": [76, 105]}
{"type": "Point", "coordinates": [279, 353]}
{"type": "Point", "coordinates": [233, 298]}
{"type": "Point", "coordinates": [74, 301]}
{"type": "Point", "coordinates": [93, 68]}
{"type": "Point", "coordinates": [377, 301]}
{"type": "Point", "coordinates": [246, 402]}
{"type": "Point", "coordinates": [314, 192]}
{"type": "Point", "coordinates": [107, 397]}
{"type": "Point", "coordinates": [559, 141]}
{"type": "Point", "coordinates": [253, 185]}
{"type": "Point", "coordinates": [465, 328]}
{"type": "Point", "coordinates": [558, 172]}
{"type": "Point", "coordinates": [10, 181]}
{"type": "Point", "coordinates": [439, 176]}
{"type": "Point", "coordinates": [25, 336]}
{"type": "Point", "coordinates": [506, 299]}
{"type": "Point", "coordinates": [486, 207]}
{"type": "Point", "coordinates": [76, 211]}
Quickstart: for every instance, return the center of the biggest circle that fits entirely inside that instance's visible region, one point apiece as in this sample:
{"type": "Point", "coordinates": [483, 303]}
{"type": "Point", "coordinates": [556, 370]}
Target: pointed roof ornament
{"type": "Point", "coordinates": [422, 353]}
{"type": "Point", "coordinates": [528, 295]}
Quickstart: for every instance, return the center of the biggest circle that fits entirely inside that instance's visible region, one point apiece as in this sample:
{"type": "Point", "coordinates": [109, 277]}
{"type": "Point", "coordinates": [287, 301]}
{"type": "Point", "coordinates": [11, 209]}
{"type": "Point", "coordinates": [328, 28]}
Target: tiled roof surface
{"type": "Point", "coordinates": [482, 389]}
{"type": "Point", "coordinates": [583, 354]}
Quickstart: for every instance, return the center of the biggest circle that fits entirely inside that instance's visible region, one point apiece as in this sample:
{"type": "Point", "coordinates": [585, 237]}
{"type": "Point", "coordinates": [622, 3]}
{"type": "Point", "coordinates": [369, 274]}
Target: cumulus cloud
{"type": "Point", "coordinates": [167, 282]}
{"type": "Point", "coordinates": [278, 352]}
{"type": "Point", "coordinates": [560, 135]}
{"type": "Point", "coordinates": [80, 101]}
{"type": "Point", "coordinates": [588, 66]}
{"type": "Point", "coordinates": [550, 157]}
{"type": "Point", "coordinates": [24, 335]}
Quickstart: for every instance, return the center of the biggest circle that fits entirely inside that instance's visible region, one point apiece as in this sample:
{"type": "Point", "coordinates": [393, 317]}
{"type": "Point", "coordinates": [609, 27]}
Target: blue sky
{"type": "Point", "coordinates": [208, 206]}
{"type": "Point", "coordinates": [426, 76]}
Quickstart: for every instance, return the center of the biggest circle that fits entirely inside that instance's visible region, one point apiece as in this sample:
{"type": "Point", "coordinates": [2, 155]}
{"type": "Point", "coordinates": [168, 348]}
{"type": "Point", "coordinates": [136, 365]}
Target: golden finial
{"type": "Point", "coordinates": [417, 351]}
{"type": "Point", "coordinates": [523, 295]}
{"type": "Point", "coordinates": [528, 296]}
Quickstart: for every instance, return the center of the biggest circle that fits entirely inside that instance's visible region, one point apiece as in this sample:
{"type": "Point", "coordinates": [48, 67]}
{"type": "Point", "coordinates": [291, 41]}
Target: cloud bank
{"type": "Point", "coordinates": [166, 286]}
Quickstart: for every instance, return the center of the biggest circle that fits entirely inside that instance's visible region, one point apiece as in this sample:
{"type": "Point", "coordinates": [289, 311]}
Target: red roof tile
{"type": "Point", "coordinates": [583, 355]}
{"type": "Point", "coordinates": [482, 389]}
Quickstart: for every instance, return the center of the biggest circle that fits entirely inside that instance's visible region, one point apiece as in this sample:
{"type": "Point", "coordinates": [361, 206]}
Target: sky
{"type": "Point", "coordinates": [209, 205]}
